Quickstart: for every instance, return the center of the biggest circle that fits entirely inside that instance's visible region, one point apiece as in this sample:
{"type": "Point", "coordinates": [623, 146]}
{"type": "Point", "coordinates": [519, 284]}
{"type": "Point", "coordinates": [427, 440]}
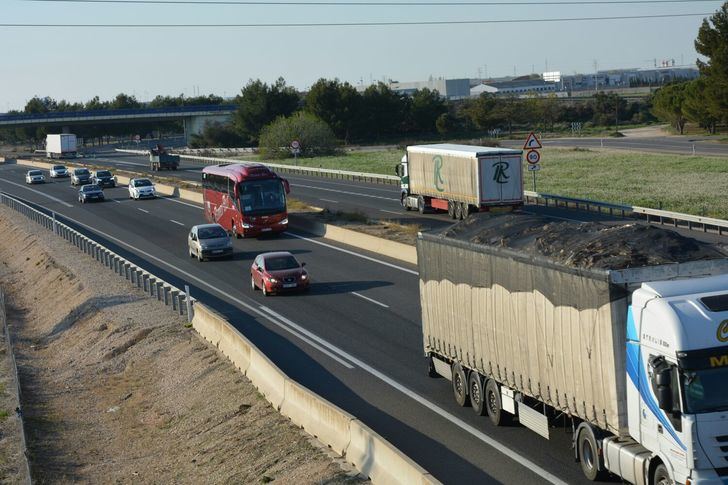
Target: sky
{"type": "Point", "coordinates": [77, 64]}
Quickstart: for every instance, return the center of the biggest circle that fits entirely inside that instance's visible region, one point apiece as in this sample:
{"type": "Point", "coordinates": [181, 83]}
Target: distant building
{"type": "Point", "coordinates": [517, 88]}
{"type": "Point", "coordinates": [451, 89]}
{"type": "Point", "coordinates": [625, 78]}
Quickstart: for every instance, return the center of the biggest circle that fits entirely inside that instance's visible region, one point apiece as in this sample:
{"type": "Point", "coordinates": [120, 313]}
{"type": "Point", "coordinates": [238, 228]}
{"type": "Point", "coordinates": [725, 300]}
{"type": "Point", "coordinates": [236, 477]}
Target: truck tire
{"type": "Point", "coordinates": [466, 210]}
{"type": "Point", "coordinates": [458, 211]}
{"type": "Point", "coordinates": [586, 446]}
{"type": "Point", "coordinates": [475, 390]}
{"type": "Point", "coordinates": [492, 403]}
{"type": "Point", "coordinates": [421, 204]}
{"type": "Point", "coordinates": [661, 476]}
{"type": "Point", "coordinates": [403, 201]}
{"type": "Point", "coordinates": [451, 209]}
{"type": "Point", "coordinates": [459, 385]}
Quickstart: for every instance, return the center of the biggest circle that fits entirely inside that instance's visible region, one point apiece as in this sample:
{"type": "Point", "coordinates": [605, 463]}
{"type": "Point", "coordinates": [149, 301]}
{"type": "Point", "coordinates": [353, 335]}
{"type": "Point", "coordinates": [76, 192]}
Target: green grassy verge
{"type": "Point", "coordinates": [694, 185]}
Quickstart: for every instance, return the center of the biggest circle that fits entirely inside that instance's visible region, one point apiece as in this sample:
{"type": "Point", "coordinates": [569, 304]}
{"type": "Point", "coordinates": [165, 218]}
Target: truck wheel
{"type": "Point", "coordinates": [465, 210]}
{"type": "Point", "coordinates": [458, 211]}
{"type": "Point", "coordinates": [403, 201]}
{"type": "Point", "coordinates": [492, 403]}
{"type": "Point", "coordinates": [661, 477]}
{"type": "Point", "coordinates": [475, 389]}
{"type": "Point", "coordinates": [451, 209]}
{"type": "Point", "coordinates": [459, 385]}
{"type": "Point", "coordinates": [589, 454]}
{"type": "Point", "coordinates": [421, 204]}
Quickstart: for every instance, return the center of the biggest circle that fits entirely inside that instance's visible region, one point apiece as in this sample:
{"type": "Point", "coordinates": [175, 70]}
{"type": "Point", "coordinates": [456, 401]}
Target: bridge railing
{"type": "Point", "coordinates": [222, 108]}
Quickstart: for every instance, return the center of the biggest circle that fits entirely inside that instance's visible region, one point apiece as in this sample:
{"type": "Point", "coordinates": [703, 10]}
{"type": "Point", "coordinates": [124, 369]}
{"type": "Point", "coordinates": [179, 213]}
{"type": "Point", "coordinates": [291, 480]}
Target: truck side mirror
{"type": "Point", "coordinates": [664, 391]}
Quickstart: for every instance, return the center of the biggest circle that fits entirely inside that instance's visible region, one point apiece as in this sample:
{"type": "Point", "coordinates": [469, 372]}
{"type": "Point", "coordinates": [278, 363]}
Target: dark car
{"type": "Point", "coordinates": [103, 178]}
{"type": "Point", "coordinates": [81, 176]}
{"type": "Point", "coordinates": [277, 272]}
{"type": "Point", "coordinates": [90, 192]}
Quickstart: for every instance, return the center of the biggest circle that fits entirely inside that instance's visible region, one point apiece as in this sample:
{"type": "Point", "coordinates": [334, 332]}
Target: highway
{"type": "Point", "coordinates": [355, 339]}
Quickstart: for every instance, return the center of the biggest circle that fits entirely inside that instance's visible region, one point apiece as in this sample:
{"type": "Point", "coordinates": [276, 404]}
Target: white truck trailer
{"type": "Point", "coordinates": [460, 179]}
{"type": "Point", "coordinates": [61, 146]}
{"type": "Point", "coordinates": [636, 358]}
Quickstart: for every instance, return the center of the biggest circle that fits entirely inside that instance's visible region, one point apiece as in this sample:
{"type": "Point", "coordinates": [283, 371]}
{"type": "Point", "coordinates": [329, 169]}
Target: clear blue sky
{"type": "Point", "coordinates": [77, 64]}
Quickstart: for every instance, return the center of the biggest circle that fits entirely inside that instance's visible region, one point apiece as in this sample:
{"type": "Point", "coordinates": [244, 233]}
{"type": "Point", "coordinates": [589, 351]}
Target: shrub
{"type": "Point", "coordinates": [315, 137]}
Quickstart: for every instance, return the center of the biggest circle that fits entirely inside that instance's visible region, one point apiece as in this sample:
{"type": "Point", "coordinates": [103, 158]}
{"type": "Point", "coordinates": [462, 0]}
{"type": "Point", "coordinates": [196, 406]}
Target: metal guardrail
{"type": "Point", "coordinates": [653, 216]}
{"type": "Point", "coordinates": [105, 113]}
{"type": "Point", "coordinates": [180, 301]}
{"type": "Point", "coordinates": [319, 172]}
{"type": "Point", "coordinates": [18, 395]}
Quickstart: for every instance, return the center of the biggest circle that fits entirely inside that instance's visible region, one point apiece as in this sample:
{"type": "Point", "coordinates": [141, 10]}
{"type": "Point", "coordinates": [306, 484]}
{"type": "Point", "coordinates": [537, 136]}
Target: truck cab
{"type": "Point", "coordinates": [677, 380]}
{"type": "Point", "coordinates": [402, 171]}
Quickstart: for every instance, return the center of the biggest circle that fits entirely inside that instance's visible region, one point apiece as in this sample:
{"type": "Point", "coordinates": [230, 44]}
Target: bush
{"type": "Point", "coordinates": [315, 137]}
{"type": "Point", "coordinates": [217, 135]}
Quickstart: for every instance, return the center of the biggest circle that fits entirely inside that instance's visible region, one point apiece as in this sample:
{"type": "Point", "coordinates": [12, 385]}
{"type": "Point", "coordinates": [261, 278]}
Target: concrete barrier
{"type": "Point", "coordinates": [268, 378]}
{"type": "Point", "coordinates": [376, 458]}
{"type": "Point", "coordinates": [385, 247]}
{"type": "Point", "coordinates": [215, 329]}
{"type": "Point", "coordinates": [317, 416]}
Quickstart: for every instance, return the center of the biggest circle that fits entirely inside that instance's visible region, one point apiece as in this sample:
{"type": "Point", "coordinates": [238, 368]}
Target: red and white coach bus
{"type": "Point", "coordinates": [247, 199]}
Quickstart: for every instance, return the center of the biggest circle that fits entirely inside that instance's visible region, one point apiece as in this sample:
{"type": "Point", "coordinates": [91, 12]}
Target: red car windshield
{"type": "Point", "coordinates": [279, 263]}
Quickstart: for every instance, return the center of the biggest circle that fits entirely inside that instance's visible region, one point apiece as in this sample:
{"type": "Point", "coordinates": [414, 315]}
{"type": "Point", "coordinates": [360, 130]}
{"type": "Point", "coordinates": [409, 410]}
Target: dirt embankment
{"type": "Point", "coordinates": [118, 390]}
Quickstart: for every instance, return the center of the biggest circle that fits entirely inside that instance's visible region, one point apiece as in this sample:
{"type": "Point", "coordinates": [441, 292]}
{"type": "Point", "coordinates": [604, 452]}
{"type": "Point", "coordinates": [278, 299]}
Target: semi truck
{"type": "Point", "coordinates": [632, 361]}
{"type": "Point", "coordinates": [61, 145]}
{"type": "Point", "coordinates": [160, 159]}
{"type": "Point", "coordinates": [460, 179]}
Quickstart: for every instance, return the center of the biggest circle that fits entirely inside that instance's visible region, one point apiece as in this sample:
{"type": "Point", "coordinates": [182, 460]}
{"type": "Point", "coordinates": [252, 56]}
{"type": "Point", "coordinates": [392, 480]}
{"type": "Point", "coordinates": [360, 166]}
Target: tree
{"type": "Point", "coordinates": [315, 136]}
{"type": "Point", "coordinates": [260, 104]}
{"type": "Point", "coordinates": [426, 107]}
{"type": "Point", "coordinates": [217, 135]}
{"type": "Point", "coordinates": [482, 112]}
{"type": "Point", "coordinates": [608, 108]}
{"type": "Point", "coordinates": [337, 104]}
{"type": "Point", "coordinates": [383, 111]}
{"type": "Point", "coordinates": [667, 104]}
{"type": "Point", "coordinates": [696, 105]}
{"type": "Point", "coordinates": [712, 43]}
{"type": "Point", "coordinates": [124, 101]}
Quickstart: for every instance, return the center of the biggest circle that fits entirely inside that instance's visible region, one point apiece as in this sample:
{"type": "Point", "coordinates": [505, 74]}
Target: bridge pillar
{"type": "Point", "coordinates": [194, 125]}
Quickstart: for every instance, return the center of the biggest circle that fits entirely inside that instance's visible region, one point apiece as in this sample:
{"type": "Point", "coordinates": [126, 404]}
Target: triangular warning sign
{"type": "Point", "coordinates": [532, 142]}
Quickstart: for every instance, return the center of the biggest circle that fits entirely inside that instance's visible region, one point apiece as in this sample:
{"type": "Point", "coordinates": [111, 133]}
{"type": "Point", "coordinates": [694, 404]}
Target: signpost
{"type": "Point", "coordinates": [533, 156]}
{"type": "Point", "coordinates": [296, 149]}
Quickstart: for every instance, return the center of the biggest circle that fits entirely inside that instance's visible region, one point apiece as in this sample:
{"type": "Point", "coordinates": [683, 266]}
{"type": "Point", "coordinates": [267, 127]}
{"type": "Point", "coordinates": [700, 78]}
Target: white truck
{"type": "Point", "coordinates": [460, 179]}
{"type": "Point", "coordinates": [61, 146]}
{"type": "Point", "coordinates": [634, 359]}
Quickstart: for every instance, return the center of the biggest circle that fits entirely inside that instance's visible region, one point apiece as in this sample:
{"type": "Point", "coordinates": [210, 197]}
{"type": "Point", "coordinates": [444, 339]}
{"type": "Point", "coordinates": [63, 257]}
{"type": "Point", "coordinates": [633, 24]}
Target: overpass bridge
{"type": "Point", "coordinates": [194, 118]}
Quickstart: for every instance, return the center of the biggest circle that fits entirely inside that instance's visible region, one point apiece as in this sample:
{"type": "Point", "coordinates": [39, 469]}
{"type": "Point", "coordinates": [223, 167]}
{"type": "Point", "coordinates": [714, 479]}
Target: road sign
{"type": "Point", "coordinates": [532, 142]}
{"type": "Point", "coordinates": [533, 157]}
{"type": "Point", "coordinates": [534, 168]}
{"type": "Point", "coordinates": [295, 144]}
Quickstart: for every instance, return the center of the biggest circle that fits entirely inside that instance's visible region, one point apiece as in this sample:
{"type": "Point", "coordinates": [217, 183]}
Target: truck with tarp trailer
{"type": "Point", "coordinates": [621, 330]}
{"type": "Point", "coordinates": [160, 159]}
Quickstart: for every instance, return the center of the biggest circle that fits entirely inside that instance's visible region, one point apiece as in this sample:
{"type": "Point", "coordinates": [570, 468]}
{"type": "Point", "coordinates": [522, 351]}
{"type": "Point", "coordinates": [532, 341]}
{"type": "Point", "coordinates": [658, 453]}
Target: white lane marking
{"type": "Point", "coordinates": [312, 343]}
{"type": "Point", "coordinates": [358, 186]}
{"type": "Point", "coordinates": [406, 270]}
{"type": "Point", "coordinates": [178, 223]}
{"type": "Point", "coordinates": [369, 299]}
{"type": "Point", "coordinates": [116, 201]}
{"type": "Point", "coordinates": [54, 199]}
{"type": "Point", "coordinates": [329, 200]}
{"type": "Point", "coordinates": [345, 192]}
{"type": "Point", "coordinates": [143, 210]}
{"type": "Point", "coordinates": [109, 160]}
{"type": "Point", "coordinates": [180, 202]}
{"type": "Point", "coordinates": [495, 444]}
{"type": "Point", "coordinates": [391, 212]}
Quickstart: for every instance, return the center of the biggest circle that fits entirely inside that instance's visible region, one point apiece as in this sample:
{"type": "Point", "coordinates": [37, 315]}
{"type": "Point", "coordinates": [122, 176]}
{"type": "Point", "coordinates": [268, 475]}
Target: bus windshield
{"type": "Point", "coordinates": [262, 197]}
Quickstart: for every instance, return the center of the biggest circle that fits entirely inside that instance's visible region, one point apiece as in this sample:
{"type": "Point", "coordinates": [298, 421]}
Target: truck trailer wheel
{"type": "Point", "coordinates": [475, 390]}
{"type": "Point", "coordinates": [459, 385]}
{"type": "Point", "coordinates": [451, 208]}
{"type": "Point", "coordinates": [421, 204]}
{"type": "Point", "coordinates": [492, 403]}
{"type": "Point", "coordinates": [459, 211]}
{"type": "Point", "coordinates": [586, 445]}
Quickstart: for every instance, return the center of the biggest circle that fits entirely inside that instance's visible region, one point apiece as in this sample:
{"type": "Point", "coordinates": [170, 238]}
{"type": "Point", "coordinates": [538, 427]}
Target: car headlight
{"type": "Point", "coordinates": [273, 280]}
{"type": "Point", "coordinates": [304, 276]}
{"type": "Point", "coordinates": [246, 225]}
{"type": "Point", "coordinates": [284, 221]}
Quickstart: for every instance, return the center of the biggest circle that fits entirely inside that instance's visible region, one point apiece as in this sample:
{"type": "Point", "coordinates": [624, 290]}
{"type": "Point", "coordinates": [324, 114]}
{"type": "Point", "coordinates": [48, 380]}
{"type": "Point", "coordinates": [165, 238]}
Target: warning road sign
{"type": "Point", "coordinates": [532, 142]}
{"type": "Point", "coordinates": [533, 157]}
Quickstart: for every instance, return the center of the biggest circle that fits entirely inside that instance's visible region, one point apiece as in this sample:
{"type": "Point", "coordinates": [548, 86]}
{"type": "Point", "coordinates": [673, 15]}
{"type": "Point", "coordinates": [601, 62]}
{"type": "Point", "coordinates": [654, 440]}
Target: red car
{"type": "Point", "coordinates": [277, 272]}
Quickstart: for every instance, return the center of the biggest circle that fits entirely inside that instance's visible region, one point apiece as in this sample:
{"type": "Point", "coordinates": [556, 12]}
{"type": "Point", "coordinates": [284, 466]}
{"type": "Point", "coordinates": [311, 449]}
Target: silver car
{"type": "Point", "coordinates": [209, 241]}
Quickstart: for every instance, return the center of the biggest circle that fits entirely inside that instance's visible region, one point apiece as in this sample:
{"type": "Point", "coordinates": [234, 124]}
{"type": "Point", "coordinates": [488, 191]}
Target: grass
{"type": "Point", "coordinates": [691, 184]}
{"type": "Point", "coordinates": [694, 185]}
{"type": "Point", "coordinates": [4, 414]}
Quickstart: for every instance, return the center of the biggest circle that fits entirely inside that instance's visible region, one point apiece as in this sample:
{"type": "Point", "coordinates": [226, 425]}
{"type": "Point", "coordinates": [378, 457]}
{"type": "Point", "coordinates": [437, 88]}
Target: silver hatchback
{"type": "Point", "coordinates": [209, 241]}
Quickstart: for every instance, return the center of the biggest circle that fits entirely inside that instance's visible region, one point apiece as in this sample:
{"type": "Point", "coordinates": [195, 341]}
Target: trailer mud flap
{"type": "Point", "coordinates": [533, 420]}
{"type": "Point", "coordinates": [442, 368]}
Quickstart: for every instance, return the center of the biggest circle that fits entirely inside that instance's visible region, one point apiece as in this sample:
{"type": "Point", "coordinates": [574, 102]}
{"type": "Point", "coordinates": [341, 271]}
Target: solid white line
{"type": "Point", "coordinates": [354, 183]}
{"type": "Point", "coordinates": [369, 299]}
{"type": "Point", "coordinates": [345, 192]}
{"type": "Point", "coordinates": [143, 210]}
{"type": "Point", "coordinates": [38, 192]}
{"type": "Point", "coordinates": [329, 200]}
{"type": "Point", "coordinates": [391, 212]}
{"type": "Point", "coordinates": [180, 202]}
{"type": "Point", "coordinates": [310, 342]}
{"type": "Point", "coordinates": [178, 223]}
{"type": "Point", "coordinates": [116, 201]}
{"type": "Point", "coordinates": [406, 270]}
{"type": "Point", "coordinates": [495, 444]}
